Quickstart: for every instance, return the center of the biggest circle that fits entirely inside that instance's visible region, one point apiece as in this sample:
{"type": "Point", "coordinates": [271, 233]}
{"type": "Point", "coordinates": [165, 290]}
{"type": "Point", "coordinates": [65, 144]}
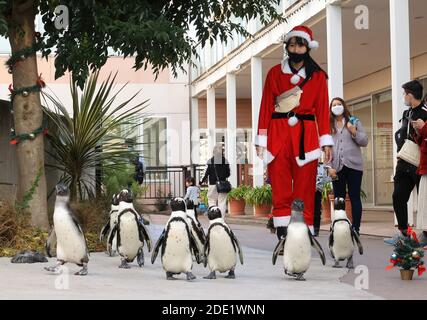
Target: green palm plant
{"type": "Point", "coordinates": [92, 135]}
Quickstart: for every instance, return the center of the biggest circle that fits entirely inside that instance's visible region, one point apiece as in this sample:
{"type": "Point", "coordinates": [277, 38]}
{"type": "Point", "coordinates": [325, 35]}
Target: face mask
{"type": "Point", "coordinates": [297, 57]}
{"type": "Point", "coordinates": [338, 110]}
{"type": "Point", "coordinates": [406, 103]}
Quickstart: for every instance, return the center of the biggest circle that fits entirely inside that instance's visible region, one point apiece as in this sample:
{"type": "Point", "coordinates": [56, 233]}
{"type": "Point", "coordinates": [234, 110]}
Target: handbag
{"type": "Point", "coordinates": [410, 151]}
{"type": "Point", "coordinates": [221, 186]}
{"type": "Point", "coordinates": [290, 99]}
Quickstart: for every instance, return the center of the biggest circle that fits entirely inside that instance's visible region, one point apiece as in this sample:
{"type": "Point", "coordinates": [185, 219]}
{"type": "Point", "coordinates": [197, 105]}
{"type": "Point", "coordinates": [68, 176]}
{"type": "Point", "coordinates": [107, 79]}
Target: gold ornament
{"type": "Point", "coordinates": [32, 135]}
{"type": "Point", "coordinates": [10, 70]}
{"type": "Point", "coordinates": [415, 255]}
{"type": "Point", "coordinates": [25, 93]}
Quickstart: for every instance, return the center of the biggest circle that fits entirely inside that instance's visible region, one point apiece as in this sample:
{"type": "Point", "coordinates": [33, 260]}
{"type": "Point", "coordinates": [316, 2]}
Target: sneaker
{"type": "Point", "coordinates": [394, 240]}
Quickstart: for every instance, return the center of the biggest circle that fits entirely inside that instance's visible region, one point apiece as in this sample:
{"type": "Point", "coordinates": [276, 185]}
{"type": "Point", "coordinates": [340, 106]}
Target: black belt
{"type": "Point", "coordinates": [287, 115]}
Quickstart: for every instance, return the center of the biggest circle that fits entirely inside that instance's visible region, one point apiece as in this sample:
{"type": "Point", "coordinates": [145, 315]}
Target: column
{"type": "Point", "coordinates": [334, 50]}
{"type": "Point", "coordinates": [195, 133]}
{"type": "Point", "coordinates": [400, 68]}
{"type": "Point", "coordinates": [256, 95]}
{"type": "Point", "coordinates": [211, 118]}
{"type": "Point", "coordinates": [231, 126]}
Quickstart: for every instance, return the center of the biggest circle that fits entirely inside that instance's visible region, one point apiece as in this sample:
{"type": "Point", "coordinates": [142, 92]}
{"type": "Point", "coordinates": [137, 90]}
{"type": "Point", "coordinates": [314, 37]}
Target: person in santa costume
{"type": "Point", "coordinates": [293, 127]}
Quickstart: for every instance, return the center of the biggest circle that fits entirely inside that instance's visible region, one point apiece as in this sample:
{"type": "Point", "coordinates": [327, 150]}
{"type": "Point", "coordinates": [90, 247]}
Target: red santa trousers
{"type": "Point", "coordinates": [289, 182]}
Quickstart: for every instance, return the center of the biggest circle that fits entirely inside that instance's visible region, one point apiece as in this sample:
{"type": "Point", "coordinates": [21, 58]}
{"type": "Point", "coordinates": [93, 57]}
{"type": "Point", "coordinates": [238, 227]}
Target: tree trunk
{"type": "Point", "coordinates": [28, 114]}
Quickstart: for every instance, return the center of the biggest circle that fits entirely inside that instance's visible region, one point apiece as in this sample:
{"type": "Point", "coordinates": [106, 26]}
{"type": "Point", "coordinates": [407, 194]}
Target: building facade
{"type": "Point", "coordinates": [369, 49]}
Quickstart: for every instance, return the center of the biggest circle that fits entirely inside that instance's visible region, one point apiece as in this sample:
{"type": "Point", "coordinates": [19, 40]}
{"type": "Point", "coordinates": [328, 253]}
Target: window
{"type": "Point", "coordinates": [154, 141]}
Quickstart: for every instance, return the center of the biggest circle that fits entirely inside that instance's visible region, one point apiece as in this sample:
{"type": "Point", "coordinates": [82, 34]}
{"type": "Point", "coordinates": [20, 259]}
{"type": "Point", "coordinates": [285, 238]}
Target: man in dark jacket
{"type": "Point", "coordinates": [406, 177]}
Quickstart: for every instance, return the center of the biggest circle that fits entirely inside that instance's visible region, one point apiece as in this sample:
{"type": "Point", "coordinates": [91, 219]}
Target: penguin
{"type": "Point", "coordinates": [195, 226]}
{"type": "Point", "coordinates": [297, 244]}
{"type": "Point", "coordinates": [71, 243]}
{"type": "Point", "coordinates": [129, 231]}
{"type": "Point", "coordinates": [109, 225]}
{"type": "Point", "coordinates": [177, 243]}
{"type": "Point", "coordinates": [342, 237]}
{"type": "Point", "coordinates": [221, 246]}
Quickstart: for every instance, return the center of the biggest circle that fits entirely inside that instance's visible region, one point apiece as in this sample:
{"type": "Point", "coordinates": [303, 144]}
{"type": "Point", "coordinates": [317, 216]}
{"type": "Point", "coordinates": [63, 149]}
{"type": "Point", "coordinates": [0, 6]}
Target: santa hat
{"type": "Point", "coordinates": [302, 32]}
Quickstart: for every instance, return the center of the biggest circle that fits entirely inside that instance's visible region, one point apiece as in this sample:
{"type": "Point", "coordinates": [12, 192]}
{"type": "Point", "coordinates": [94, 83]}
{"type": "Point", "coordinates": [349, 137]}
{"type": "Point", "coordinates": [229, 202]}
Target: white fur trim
{"type": "Point", "coordinates": [309, 156]}
{"type": "Point", "coordinates": [313, 45]}
{"type": "Point", "coordinates": [298, 33]}
{"type": "Point", "coordinates": [295, 79]}
{"type": "Point", "coordinates": [261, 140]}
{"type": "Point", "coordinates": [326, 140]}
{"type": "Point", "coordinates": [281, 221]}
{"type": "Point", "coordinates": [268, 157]}
{"type": "Point", "coordinates": [286, 69]}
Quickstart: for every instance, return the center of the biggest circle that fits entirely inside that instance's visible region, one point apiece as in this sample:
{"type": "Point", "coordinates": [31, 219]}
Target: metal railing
{"type": "Point", "coordinates": [167, 182]}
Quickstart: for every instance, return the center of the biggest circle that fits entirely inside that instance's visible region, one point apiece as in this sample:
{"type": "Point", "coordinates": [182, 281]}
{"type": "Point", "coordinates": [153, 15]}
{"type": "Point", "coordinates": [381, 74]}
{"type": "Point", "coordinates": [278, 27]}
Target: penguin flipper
{"type": "Point", "coordinates": [206, 248]}
{"type": "Point", "coordinates": [199, 232]}
{"type": "Point", "coordinates": [111, 236]}
{"type": "Point", "coordinates": [157, 246]}
{"type": "Point", "coordinates": [356, 238]}
{"type": "Point", "coordinates": [144, 235]}
{"type": "Point", "coordinates": [193, 245]}
{"type": "Point", "coordinates": [331, 243]}
{"type": "Point", "coordinates": [316, 245]}
{"type": "Point", "coordinates": [50, 242]}
{"type": "Point", "coordinates": [277, 249]}
{"type": "Point", "coordinates": [238, 246]}
{"type": "Point", "coordinates": [104, 231]}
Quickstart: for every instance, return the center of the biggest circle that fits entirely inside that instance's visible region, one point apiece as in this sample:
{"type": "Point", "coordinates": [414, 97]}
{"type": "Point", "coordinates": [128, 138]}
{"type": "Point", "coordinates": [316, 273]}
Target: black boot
{"type": "Point", "coordinates": [270, 225]}
{"type": "Point", "coordinates": [281, 232]}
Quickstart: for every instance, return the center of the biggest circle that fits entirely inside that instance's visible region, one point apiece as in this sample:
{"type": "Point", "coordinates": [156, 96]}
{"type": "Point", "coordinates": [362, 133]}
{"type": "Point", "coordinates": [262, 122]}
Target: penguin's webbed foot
{"type": "Point", "coordinates": [350, 264]}
{"type": "Point", "coordinates": [124, 265]}
{"type": "Point", "coordinates": [169, 276]}
{"type": "Point", "coordinates": [55, 269]}
{"type": "Point", "coordinates": [231, 275]}
{"type": "Point", "coordinates": [190, 276]}
{"type": "Point", "coordinates": [336, 265]}
{"type": "Point", "coordinates": [211, 276]}
{"type": "Point", "coordinates": [83, 271]}
{"type": "Point", "coordinates": [299, 277]}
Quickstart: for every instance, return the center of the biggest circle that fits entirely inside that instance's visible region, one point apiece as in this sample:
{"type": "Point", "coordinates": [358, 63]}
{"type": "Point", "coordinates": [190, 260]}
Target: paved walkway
{"type": "Point", "coordinates": [256, 279]}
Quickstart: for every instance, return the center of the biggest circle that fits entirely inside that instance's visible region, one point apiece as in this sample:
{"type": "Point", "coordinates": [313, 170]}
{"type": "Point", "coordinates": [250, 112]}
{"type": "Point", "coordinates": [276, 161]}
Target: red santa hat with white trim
{"type": "Point", "coordinates": [305, 33]}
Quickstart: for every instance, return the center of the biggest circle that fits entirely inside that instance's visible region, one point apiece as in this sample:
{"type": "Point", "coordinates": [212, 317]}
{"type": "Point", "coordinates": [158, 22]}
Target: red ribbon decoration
{"type": "Point", "coordinates": [412, 233]}
{"type": "Point", "coordinates": [10, 88]}
{"type": "Point", "coordinates": [421, 270]}
{"type": "Point", "coordinates": [45, 131]}
{"type": "Point", "coordinates": [40, 81]}
{"type": "Point", "coordinates": [13, 142]}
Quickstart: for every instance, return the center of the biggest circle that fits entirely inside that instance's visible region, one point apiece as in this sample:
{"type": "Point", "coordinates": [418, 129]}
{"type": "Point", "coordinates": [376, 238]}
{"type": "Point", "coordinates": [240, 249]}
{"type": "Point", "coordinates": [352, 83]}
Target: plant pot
{"type": "Point", "coordinates": [406, 274]}
{"type": "Point", "coordinates": [236, 207]}
{"type": "Point", "coordinates": [327, 209]}
{"type": "Point", "coordinates": [262, 210]}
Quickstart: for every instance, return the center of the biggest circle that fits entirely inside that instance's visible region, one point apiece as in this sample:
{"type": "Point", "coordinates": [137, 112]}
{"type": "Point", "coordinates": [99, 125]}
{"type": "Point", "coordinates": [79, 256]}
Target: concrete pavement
{"type": "Point", "coordinates": [256, 279]}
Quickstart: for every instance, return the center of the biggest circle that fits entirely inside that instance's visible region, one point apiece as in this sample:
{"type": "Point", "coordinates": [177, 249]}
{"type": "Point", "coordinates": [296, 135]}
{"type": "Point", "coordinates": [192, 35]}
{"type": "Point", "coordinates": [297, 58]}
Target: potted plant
{"type": "Point", "coordinates": [327, 198]}
{"type": "Point", "coordinates": [408, 256]}
{"type": "Point", "coordinates": [236, 200]}
{"type": "Point", "coordinates": [261, 199]}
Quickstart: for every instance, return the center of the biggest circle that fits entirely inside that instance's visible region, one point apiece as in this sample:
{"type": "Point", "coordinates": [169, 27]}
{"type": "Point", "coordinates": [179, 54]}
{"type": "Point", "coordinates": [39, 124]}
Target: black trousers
{"type": "Point", "coordinates": [317, 210]}
{"type": "Point", "coordinates": [405, 180]}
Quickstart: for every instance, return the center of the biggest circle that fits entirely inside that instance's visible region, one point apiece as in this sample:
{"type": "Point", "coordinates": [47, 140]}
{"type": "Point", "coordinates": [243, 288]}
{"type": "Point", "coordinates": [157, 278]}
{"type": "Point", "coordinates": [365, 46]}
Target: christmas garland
{"type": "Point", "coordinates": [14, 59]}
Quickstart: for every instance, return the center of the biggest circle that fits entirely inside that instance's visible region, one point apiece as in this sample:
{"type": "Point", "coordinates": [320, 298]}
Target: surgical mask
{"type": "Point", "coordinates": [406, 103]}
{"type": "Point", "coordinates": [297, 57]}
{"type": "Point", "coordinates": [338, 109]}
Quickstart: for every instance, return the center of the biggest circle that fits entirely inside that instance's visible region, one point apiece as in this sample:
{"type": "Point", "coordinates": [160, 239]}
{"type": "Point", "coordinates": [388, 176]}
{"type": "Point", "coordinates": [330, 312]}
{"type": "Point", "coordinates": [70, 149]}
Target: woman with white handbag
{"type": "Point", "coordinates": [406, 177]}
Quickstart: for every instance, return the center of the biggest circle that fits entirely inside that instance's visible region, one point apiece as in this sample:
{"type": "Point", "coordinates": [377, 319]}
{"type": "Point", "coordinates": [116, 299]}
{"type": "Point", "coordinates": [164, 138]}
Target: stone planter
{"type": "Point", "coordinates": [236, 207]}
{"type": "Point", "coordinates": [262, 210]}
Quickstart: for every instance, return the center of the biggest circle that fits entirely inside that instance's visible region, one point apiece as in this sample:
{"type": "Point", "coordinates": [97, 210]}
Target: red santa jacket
{"type": "Point", "coordinates": [422, 141]}
{"type": "Point", "coordinates": [314, 101]}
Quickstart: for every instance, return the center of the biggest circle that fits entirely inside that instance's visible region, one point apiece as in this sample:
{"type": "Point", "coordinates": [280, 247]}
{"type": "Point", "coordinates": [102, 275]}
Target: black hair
{"type": "Point", "coordinates": [425, 99]}
{"type": "Point", "coordinates": [191, 180]}
{"type": "Point", "coordinates": [415, 88]}
{"type": "Point", "coordinates": [310, 65]}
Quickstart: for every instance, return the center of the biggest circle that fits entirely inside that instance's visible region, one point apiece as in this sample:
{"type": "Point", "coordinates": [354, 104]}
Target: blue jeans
{"type": "Point", "coordinates": [351, 180]}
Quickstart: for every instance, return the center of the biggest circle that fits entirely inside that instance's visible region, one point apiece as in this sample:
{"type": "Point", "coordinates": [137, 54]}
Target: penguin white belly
{"type": "Point", "coordinates": [297, 250]}
{"type": "Point", "coordinates": [343, 246]}
{"type": "Point", "coordinates": [129, 237]}
{"type": "Point", "coordinates": [177, 255]}
{"type": "Point", "coordinates": [222, 255]}
{"type": "Point", "coordinates": [71, 245]}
